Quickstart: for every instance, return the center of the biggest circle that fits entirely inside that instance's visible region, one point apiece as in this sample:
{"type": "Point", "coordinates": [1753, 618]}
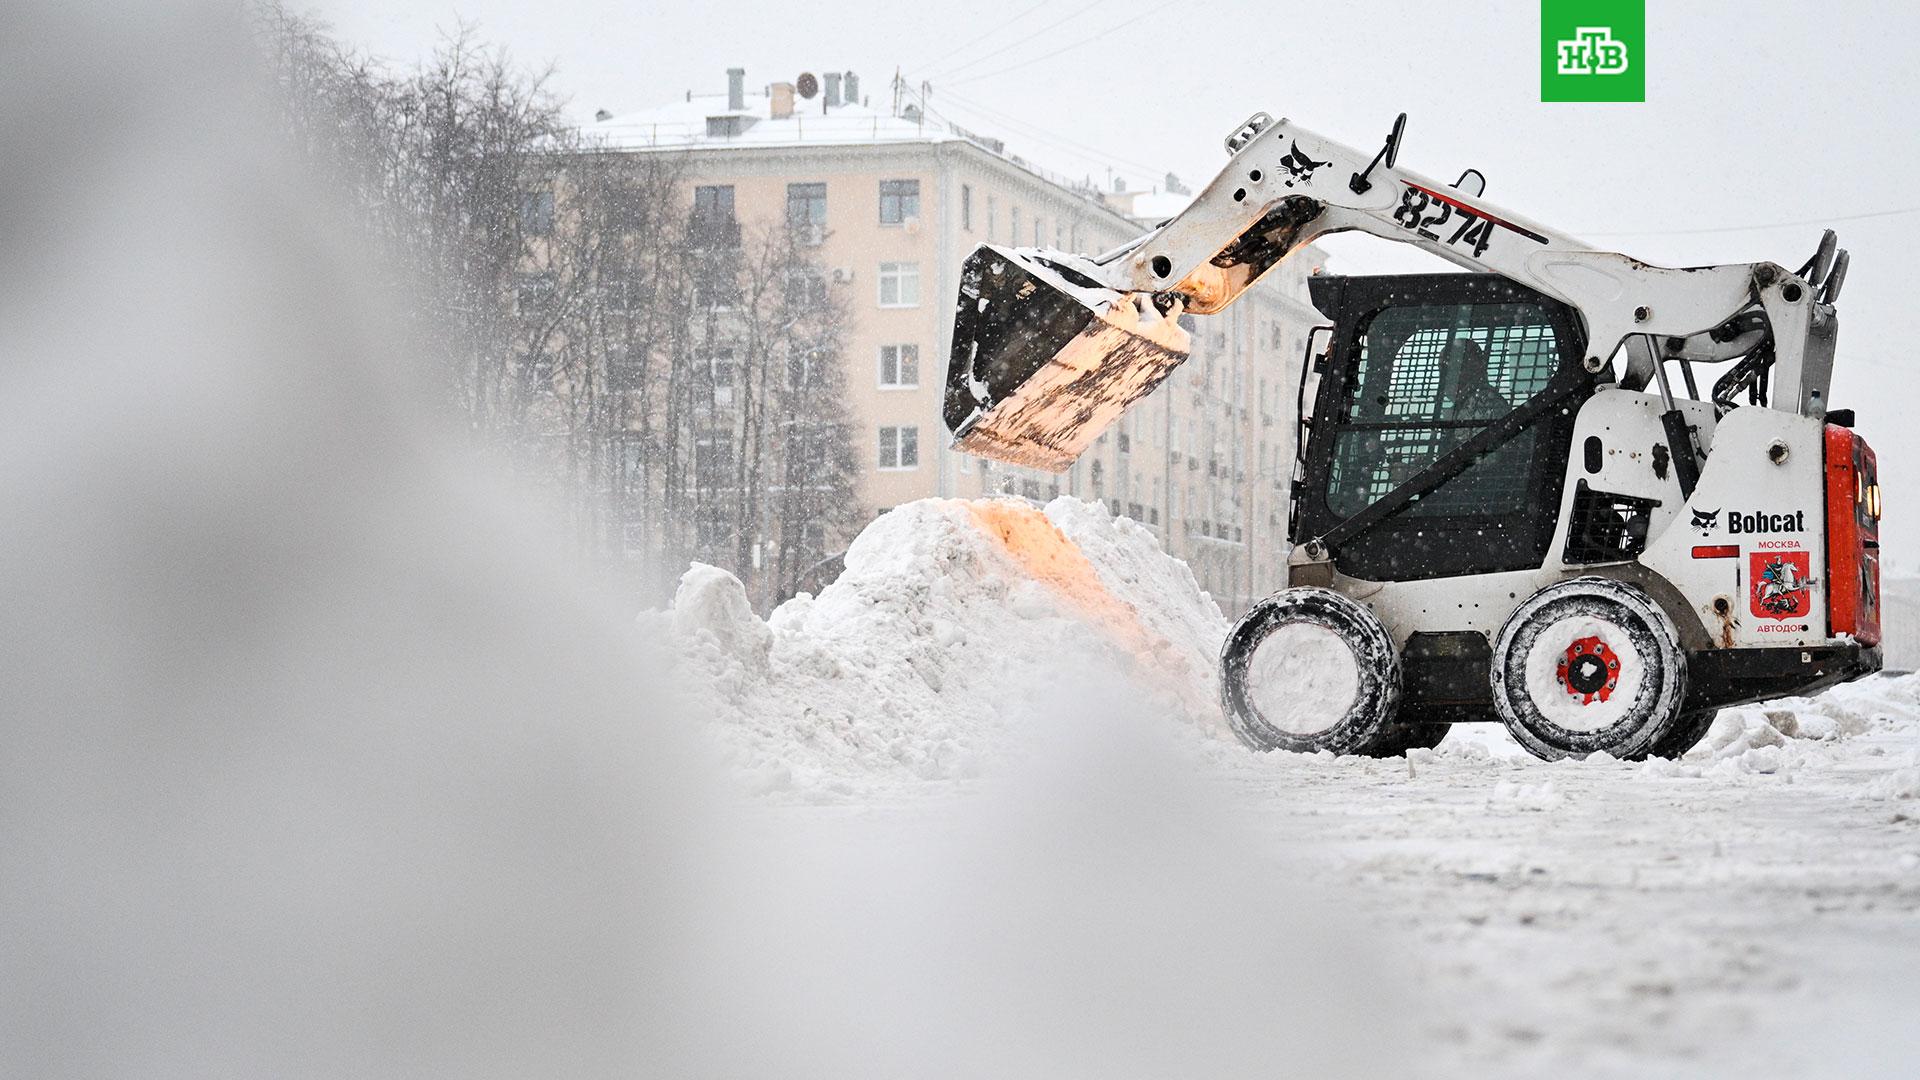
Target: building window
{"type": "Point", "coordinates": [625, 293]}
{"type": "Point", "coordinates": [720, 370]}
{"type": "Point", "coordinates": [806, 204]}
{"type": "Point", "coordinates": [993, 217]}
{"type": "Point", "coordinates": [534, 289]}
{"type": "Point", "coordinates": [899, 366]}
{"type": "Point", "coordinates": [806, 289]}
{"type": "Point", "coordinates": [813, 539]}
{"type": "Point", "coordinates": [536, 212]}
{"type": "Point", "coordinates": [713, 201]}
{"type": "Point", "coordinates": [1013, 234]}
{"type": "Point", "coordinates": [799, 369]}
{"type": "Point", "coordinates": [966, 207]}
{"type": "Point", "coordinates": [1036, 231]}
{"type": "Point", "coordinates": [713, 221]}
{"type": "Point", "coordinates": [628, 210]}
{"type": "Point", "coordinates": [714, 284]}
{"type": "Point", "coordinates": [899, 200]}
{"type": "Point", "coordinates": [809, 453]}
{"type": "Point", "coordinates": [713, 460]}
{"type": "Point", "coordinates": [899, 448]}
{"type": "Point", "coordinates": [899, 285]}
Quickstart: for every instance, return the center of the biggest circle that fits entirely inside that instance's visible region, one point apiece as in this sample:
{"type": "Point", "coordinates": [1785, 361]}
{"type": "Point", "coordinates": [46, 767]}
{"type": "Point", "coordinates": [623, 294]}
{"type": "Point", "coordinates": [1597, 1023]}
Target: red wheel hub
{"type": "Point", "coordinates": [1589, 670]}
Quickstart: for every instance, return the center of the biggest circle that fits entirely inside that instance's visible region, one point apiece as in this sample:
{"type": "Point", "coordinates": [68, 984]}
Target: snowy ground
{"type": "Point", "coordinates": [1751, 910]}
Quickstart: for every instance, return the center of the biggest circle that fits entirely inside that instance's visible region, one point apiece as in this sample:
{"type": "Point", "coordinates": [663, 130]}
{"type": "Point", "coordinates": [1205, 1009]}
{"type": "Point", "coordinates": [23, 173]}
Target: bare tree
{"type": "Point", "coordinates": [814, 472]}
{"type": "Point", "coordinates": [618, 256]}
{"type": "Point", "coordinates": [674, 381]}
{"type": "Point", "coordinates": [434, 163]}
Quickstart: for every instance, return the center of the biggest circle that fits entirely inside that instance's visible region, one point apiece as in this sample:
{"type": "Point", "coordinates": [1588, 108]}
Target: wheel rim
{"type": "Point", "coordinates": [1584, 673]}
{"type": "Point", "coordinates": [1303, 679]}
{"type": "Point", "coordinates": [1589, 670]}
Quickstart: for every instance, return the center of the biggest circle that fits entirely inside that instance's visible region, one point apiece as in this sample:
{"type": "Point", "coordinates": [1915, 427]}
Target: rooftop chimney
{"type": "Point", "coordinates": [736, 89]}
{"type": "Point", "coordinates": [853, 89]}
{"type": "Point", "coordinates": [832, 79]}
{"type": "Point", "coordinates": [780, 100]}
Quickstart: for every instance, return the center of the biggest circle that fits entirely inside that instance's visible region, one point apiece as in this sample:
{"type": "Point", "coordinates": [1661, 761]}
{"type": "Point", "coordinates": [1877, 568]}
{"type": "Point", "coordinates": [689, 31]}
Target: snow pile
{"type": "Point", "coordinates": [953, 624]}
{"type": "Point", "coordinates": [1790, 735]}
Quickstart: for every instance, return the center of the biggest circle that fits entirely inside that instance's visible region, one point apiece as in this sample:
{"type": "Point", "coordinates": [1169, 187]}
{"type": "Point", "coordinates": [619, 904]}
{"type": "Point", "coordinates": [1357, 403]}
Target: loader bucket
{"type": "Point", "coordinates": [1044, 358]}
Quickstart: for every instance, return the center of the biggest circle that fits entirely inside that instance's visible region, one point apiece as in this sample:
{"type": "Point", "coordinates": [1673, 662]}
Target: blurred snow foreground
{"type": "Point", "coordinates": [320, 762]}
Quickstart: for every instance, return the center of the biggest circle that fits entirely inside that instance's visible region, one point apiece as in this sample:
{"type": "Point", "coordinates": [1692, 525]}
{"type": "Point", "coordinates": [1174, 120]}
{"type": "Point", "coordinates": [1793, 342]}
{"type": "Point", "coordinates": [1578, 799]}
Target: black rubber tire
{"type": "Point", "coordinates": [1650, 722]}
{"type": "Point", "coordinates": [1368, 726]}
{"type": "Point", "coordinates": [1685, 735]}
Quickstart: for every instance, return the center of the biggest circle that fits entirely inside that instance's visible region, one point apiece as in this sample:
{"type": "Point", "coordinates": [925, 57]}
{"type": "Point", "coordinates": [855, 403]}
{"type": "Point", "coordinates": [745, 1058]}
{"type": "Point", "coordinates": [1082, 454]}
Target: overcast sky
{"type": "Point", "coordinates": [1762, 120]}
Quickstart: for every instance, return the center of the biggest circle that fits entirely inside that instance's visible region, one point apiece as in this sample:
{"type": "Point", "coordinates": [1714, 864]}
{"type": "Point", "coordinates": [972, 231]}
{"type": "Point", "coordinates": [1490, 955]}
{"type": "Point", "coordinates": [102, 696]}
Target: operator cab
{"type": "Point", "coordinates": [1437, 439]}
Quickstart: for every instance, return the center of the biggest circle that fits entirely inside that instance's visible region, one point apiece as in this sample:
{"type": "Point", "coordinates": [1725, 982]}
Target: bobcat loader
{"type": "Point", "coordinates": [1501, 507]}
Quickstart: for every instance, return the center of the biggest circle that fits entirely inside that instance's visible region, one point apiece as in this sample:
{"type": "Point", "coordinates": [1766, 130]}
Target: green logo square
{"type": "Point", "coordinates": [1593, 50]}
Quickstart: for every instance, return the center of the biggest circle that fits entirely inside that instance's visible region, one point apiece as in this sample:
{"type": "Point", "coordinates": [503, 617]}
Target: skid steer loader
{"type": "Point", "coordinates": [1501, 508]}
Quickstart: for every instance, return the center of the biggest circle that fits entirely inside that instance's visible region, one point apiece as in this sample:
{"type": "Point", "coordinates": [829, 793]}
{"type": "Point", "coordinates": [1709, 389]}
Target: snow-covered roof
{"type": "Point", "coordinates": [682, 125]}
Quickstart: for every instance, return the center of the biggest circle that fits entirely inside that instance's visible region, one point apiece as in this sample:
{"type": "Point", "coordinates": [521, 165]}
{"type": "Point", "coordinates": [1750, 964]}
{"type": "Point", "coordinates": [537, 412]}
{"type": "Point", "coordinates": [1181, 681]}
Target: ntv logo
{"type": "Point", "coordinates": [1592, 51]}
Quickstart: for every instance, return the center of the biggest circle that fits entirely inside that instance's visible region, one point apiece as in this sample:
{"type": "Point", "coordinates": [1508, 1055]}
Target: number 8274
{"type": "Point", "coordinates": [1469, 229]}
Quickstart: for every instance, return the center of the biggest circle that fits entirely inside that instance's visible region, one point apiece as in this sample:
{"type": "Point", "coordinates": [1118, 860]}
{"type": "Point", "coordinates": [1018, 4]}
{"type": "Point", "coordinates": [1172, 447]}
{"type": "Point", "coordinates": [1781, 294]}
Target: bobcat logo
{"type": "Point", "coordinates": [1299, 166]}
{"type": "Point", "coordinates": [1706, 520]}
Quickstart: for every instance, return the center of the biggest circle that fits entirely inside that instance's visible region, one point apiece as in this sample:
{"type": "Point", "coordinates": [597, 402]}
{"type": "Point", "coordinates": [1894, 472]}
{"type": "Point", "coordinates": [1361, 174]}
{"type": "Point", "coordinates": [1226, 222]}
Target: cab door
{"type": "Point", "coordinates": [1420, 365]}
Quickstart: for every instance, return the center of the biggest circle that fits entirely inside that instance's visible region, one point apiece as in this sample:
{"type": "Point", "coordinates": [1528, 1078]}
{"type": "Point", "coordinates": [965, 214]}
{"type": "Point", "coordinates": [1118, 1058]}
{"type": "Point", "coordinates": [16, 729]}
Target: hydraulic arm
{"type": "Point", "coordinates": [1050, 347]}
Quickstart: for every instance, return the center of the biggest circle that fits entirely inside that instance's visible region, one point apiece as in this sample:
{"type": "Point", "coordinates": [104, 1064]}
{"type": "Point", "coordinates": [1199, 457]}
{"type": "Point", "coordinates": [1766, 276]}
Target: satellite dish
{"type": "Point", "coordinates": [807, 85]}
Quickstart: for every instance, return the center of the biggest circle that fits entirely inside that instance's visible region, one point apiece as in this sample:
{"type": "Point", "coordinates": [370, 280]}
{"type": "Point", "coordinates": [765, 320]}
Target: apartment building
{"type": "Point", "coordinates": [894, 201]}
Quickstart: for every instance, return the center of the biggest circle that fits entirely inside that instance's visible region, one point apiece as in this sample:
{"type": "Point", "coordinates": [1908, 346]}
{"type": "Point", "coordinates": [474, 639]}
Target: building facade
{"type": "Point", "coordinates": [894, 202]}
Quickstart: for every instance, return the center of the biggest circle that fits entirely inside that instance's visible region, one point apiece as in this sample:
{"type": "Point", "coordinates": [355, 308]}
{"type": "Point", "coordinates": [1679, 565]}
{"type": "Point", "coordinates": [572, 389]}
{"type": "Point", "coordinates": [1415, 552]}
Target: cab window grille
{"type": "Point", "coordinates": [1426, 378]}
